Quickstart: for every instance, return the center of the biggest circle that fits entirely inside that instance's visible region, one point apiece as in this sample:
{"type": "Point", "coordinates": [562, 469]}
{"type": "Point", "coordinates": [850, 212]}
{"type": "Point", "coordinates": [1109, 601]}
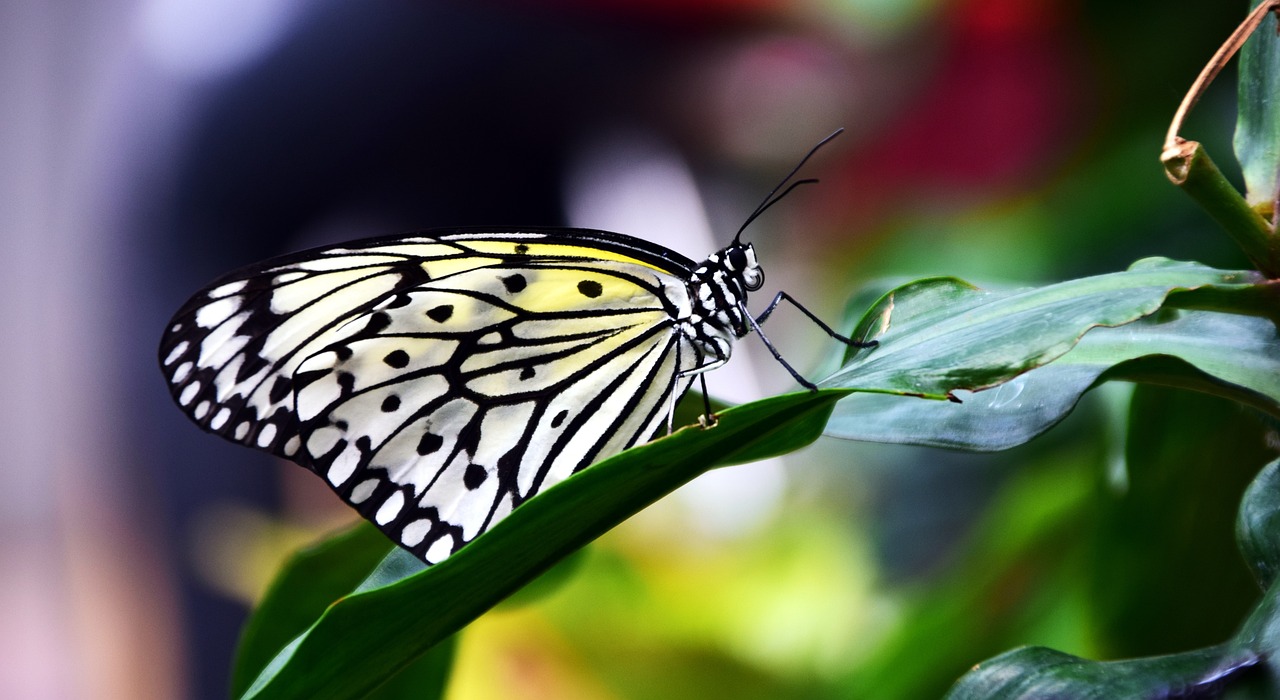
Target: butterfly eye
{"type": "Point", "coordinates": [743, 262]}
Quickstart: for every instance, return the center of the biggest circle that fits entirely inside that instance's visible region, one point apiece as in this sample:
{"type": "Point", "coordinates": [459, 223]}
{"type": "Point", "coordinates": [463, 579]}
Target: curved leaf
{"type": "Point", "coordinates": [370, 635]}
{"type": "Point", "coordinates": [1034, 673]}
{"type": "Point", "coordinates": [1226, 354]}
{"type": "Point", "coordinates": [310, 580]}
{"type": "Point", "coordinates": [1018, 361]}
{"type": "Point", "coordinates": [1257, 139]}
{"type": "Point", "coordinates": [1245, 666]}
{"type": "Point", "coordinates": [1258, 528]}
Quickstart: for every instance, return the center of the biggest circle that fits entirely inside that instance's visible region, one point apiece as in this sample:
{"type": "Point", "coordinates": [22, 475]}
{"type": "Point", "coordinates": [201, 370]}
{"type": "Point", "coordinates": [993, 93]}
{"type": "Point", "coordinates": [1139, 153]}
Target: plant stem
{"type": "Point", "coordinates": [1188, 166]}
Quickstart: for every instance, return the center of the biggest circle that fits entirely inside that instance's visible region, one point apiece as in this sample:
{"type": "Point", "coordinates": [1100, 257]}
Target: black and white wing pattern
{"type": "Point", "coordinates": [439, 380]}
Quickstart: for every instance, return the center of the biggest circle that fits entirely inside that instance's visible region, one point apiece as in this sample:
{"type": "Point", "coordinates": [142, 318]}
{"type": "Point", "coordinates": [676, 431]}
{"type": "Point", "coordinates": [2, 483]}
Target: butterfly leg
{"type": "Point", "coordinates": [719, 349]}
{"type": "Point", "coordinates": [755, 325]}
{"type": "Point", "coordinates": [783, 295]}
{"type": "Point", "coordinates": [708, 419]}
{"type": "Point", "coordinates": [777, 355]}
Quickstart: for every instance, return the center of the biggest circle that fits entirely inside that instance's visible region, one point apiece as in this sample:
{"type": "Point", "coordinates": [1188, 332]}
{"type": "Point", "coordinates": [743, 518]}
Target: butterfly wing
{"type": "Point", "coordinates": [437, 382]}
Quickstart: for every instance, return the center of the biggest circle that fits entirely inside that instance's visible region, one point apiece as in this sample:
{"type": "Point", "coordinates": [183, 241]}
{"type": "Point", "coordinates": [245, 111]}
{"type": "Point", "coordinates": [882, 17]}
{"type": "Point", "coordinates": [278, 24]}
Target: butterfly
{"type": "Point", "coordinates": [438, 380]}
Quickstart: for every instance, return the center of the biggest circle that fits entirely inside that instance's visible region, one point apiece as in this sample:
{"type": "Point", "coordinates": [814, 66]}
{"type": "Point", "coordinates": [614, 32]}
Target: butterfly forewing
{"type": "Point", "coordinates": [437, 382]}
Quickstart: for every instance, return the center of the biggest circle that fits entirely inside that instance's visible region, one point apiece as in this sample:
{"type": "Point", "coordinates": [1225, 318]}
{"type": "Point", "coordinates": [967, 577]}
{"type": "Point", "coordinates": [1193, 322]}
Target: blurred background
{"type": "Point", "coordinates": [151, 145]}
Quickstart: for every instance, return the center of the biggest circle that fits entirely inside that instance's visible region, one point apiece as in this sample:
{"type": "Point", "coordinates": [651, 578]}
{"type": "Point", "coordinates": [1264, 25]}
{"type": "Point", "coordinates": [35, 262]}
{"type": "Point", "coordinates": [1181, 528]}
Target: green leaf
{"type": "Point", "coordinates": [370, 635]}
{"type": "Point", "coordinates": [1148, 558]}
{"type": "Point", "coordinates": [1258, 527]}
{"type": "Point", "coordinates": [1245, 666]}
{"type": "Point", "coordinates": [425, 678]}
{"type": "Point", "coordinates": [1034, 673]}
{"type": "Point", "coordinates": [1012, 576]}
{"type": "Point", "coordinates": [1257, 139]}
{"type": "Point", "coordinates": [1018, 361]}
{"type": "Point", "coordinates": [313, 578]}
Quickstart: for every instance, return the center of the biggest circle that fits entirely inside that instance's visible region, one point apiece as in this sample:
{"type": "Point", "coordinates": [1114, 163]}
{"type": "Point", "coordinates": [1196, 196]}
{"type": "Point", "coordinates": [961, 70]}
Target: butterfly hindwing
{"type": "Point", "coordinates": [438, 382]}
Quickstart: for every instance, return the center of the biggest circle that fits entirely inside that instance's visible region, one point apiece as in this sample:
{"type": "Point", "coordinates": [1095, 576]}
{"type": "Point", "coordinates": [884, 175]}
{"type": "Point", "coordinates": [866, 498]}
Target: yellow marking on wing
{"type": "Point", "coordinates": [445, 267]}
{"type": "Point", "coordinates": [555, 250]}
{"type": "Point", "coordinates": [554, 290]}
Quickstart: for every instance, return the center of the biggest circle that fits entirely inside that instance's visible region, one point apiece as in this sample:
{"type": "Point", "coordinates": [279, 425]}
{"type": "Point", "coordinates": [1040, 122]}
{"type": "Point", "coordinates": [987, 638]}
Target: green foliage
{"type": "Point", "coordinates": [1121, 551]}
{"type": "Point", "coordinates": [1257, 141]}
{"type": "Point", "coordinates": [403, 611]}
{"type": "Point", "coordinates": [1244, 667]}
{"type": "Point", "coordinates": [1042, 348]}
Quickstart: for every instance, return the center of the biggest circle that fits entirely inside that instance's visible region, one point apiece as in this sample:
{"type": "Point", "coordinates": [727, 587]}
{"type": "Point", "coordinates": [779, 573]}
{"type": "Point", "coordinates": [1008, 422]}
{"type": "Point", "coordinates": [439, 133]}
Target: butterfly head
{"type": "Point", "coordinates": [740, 261]}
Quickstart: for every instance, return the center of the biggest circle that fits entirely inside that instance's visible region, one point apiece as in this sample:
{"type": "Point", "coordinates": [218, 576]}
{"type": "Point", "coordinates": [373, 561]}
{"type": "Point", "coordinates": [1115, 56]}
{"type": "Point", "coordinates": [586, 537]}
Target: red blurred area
{"type": "Point", "coordinates": [1000, 112]}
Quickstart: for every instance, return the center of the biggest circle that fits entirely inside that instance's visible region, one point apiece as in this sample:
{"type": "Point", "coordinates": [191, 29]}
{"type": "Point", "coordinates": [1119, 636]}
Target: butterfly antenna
{"type": "Point", "coordinates": [771, 200]}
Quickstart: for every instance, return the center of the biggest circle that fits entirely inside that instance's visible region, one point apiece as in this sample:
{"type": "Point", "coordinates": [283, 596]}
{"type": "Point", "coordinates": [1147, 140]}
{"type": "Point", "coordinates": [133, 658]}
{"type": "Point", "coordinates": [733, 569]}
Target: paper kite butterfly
{"type": "Point", "coordinates": [440, 379]}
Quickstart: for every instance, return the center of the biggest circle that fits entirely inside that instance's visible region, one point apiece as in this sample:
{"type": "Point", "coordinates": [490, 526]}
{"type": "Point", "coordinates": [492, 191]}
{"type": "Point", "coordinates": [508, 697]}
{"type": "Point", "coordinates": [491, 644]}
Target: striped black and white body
{"type": "Point", "coordinates": [438, 380]}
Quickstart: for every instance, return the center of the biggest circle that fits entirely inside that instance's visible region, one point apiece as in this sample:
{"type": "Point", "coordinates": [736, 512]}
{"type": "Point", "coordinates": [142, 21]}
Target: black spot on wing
{"type": "Point", "coordinates": [526, 373]}
{"type": "Point", "coordinates": [391, 404]}
{"type": "Point", "coordinates": [474, 476]}
{"type": "Point", "coordinates": [398, 359]}
{"type": "Point", "coordinates": [559, 419]}
{"type": "Point", "coordinates": [515, 283]}
{"type": "Point", "coordinates": [590, 288]}
{"type": "Point", "coordinates": [254, 362]}
{"type": "Point", "coordinates": [279, 389]}
{"type": "Point", "coordinates": [430, 442]}
{"type": "Point", "coordinates": [441, 313]}
{"type": "Point", "coordinates": [399, 301]}
{"type": "Point", "coordinates": [413, 274]}
{"type": "Point", "coordinates": [509, 467]}
{"type": "Point", "coordinates": [262, 320]}
{"type": "Point", "coordinates": [302, 379]}
{"type": "Point", "coordinates": [378, 322]}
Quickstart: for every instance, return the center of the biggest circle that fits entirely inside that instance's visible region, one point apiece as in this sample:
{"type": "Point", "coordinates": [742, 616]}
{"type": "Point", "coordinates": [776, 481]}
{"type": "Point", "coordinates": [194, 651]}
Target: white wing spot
{"type": "Point", "coordinates": [363, 490]}
{"type": "Point", "coordinates": [216, 312]}
{"type": "Point", "coordinates": [220, 418]}
{"type": "Point", "coordinates": [202, 410]}
{"type": "Point", "coordinates": [323, 440]}
{"type": "Point", "coordinates": [415, 532]}
{"type": "Point", "coordinates": [182, 372]}
{"type": "Point", "coordinates": [390, 508]}
{"type": "Point", "coordinates": [291, 446]}
{"type": "Point", "coordinates": [440, 549]}
{"type": "Point", "coordinates": [344, 465]}
{"type": "Point", "coordinates": [189, 393]}
{"type": "Point", "coordinates": [227, 289]}
{"type": "Point", "coordinates": [489, 339]}
{"type": "Point", "coordinates": [223, 343]}
{"type": "Point", "coordinates": [176, 352]}
{"type": "Point", "coordinates": [287, 277]}
{"type": "Point", "coordinates": [242, 430]}
{"type": "Point", "coordinates": [318, 395]}
{"type": "Point", "coordinates": [266, 435]}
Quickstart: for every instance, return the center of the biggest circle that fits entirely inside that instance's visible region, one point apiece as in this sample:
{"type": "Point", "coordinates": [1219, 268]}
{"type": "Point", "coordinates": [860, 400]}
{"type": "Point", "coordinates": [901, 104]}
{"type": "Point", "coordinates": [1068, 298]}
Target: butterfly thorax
{"type": "Point", "coordinates": [718, 291]}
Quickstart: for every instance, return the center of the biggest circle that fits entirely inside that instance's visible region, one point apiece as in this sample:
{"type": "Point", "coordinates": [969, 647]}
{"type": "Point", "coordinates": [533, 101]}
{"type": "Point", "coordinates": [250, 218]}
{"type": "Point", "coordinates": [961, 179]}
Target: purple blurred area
{"type": "Point", "coordinates": [149, 146]}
